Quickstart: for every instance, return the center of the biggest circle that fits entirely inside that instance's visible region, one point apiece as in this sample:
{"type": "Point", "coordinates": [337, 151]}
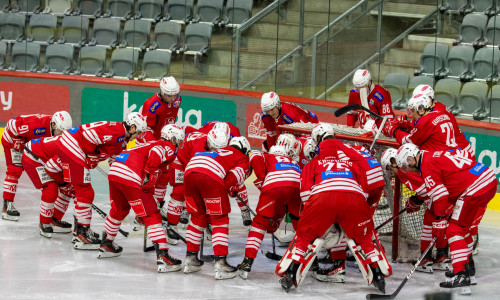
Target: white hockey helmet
{"type": "Point", "coordinates": [424, 89]}
{"type": "Point", "coordinates": [279, 150]}
{"type": "Point", "coordinates": [223, 126]}
{"type": "Point", "coordinates": [310, 149]}
{"type": "Point", "coordinates": [135, 118]}
{"type": "Point", "coordinates": [419, 101]}
{"type": "Point", "coordinates": [241, 143]}
{"type": "Point", "coordinates": [173, 133]}
{"type": "Point", "coordinates": [217, 139]}
{"type": "Point", "coordinates": [321, 131]}
{"type": "Point", "coordinates": [286, 140]}
{"type": "Point", "coordinates": [269, 101]}
{"type": "Point", "coordinates": [361, 78]}
{"type": "Point", "coordinates": [62, 119]}
{"type": "Point", "coordinates": [388, 155]}
{"type": "Point", "coordinates": [405, 151]}
{"type": "Point", "coordinates": [295, 149]}
{"type": "Point", "coordinates": [169, 86]}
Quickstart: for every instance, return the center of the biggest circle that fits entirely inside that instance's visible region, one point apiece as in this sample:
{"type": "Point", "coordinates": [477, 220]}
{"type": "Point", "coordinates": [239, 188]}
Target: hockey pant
{"type": "Point", "coordinates": [177, 200]}
{"type": "Point", "coordinates": [207, 201]}
{"type": "Point", "coordinates": [13, 159]}
{"type": "Point", "coordinates": [374, 198]}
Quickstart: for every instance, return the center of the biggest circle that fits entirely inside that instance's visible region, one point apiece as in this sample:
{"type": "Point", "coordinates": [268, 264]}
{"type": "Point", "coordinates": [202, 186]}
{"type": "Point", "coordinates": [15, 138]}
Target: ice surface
{"type": "Point", "coordinates": [34, 267]}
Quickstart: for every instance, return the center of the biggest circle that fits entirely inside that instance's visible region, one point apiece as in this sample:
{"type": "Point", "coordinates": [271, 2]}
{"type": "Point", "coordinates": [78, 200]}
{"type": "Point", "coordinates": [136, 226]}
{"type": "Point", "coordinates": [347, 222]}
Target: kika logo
{"type": "Point", "coordinates": [212, 200]}
{"type": "Point", "coordinates": [154, 106]}
{"type": "Point", "coordinates": [40, 131]}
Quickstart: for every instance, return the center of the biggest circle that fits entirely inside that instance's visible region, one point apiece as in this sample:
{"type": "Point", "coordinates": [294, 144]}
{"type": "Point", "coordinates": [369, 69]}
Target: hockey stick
{"type": "Point", "coordinates": [391, 219]}
{"type": "Point", "coordinates": [144, 247]}
{"type": "Point", "coordinates": [205, 258]}
{"type": "Point", "coordinates": [394, 295]}
{"type": "Point", "coordinates": [345, 109]}
{"type": "Point", "coordinates": [378, 132]}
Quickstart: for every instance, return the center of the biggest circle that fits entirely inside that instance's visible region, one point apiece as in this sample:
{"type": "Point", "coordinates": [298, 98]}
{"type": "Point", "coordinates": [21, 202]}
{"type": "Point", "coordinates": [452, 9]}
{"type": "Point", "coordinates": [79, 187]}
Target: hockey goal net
{"type": "Point", "coordinates": [403, 235]}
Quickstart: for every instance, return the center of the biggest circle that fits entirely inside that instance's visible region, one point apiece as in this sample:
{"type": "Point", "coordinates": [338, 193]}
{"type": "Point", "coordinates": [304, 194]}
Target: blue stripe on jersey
{"type": "Point", "coordinates": [287, 119]}
{"type": "Point", "coordinates": [74, 130]}
{"type": "Point", "coordinates": [478, 168]}
{"type": "Point", "coordinates": [331, 174]}
{"type": "Point", "coordinates": [287, 166]}
{"type": "Point", "coordinates": [373, 162]}
{"type": "Point", "coordinates": [122, 157]}
{"type": "Point", "coordinates": [367, 154]}
{"type": "Point", "coordinates": [212, 154]}
{"type": "Point", "coordinates": [34, 141]}
{"type": "Point", "coordinates": [313, 115]}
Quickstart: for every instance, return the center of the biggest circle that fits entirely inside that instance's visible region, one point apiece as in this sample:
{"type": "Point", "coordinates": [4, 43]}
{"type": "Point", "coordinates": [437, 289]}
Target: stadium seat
{"type": "Point", "coordinates": [89, 8]}
{"type": "Point", "coordinates": [209, 11]}
{"type": "Point", "coordinates": [12, 26]}
{"type": "Point", "coordinates": [459, 62]}
{"type": "Point", "coordinates": [92, 61]}
{"type": "Point", "coordinates": [136, 34]}
{"type": "Point", "coordinates": [180, 11]}
{"type": "Point", "coordinates": [4, 5]}
{"type": "Point", "coordinates": [106, 32]}
{"type": "Point", "coordinates": [167, 36]}
{"type": "Point", "coordinates": [123, 9]}
{"type": "Point", "coordinates": [151, 10]}
{"type": "Point", "coordinates": [74, 30]}
{"type": "Point", "coordinates": [156, 64]}
{"type": "Point", "coordinates": [446, 91]}
{"type": "Point", "coordinates": [3, 54]}
{"type": "Point", "coordinates": [25, 57]}
{"type": "Point", "coordinates": [123, 63]}
{"type": "Point", "coordinates": [197, 39]}
{"type": "Point", "coordinates": [492, 34]}
{"type": "Point", "coordinates": [433, 60]}
{"type": "Point", "coordinates": [487, 7]}
{"type": "Point", "coordinates": [59, 59]}
{"type": "Point", "coordinates": [58, 7]}
{"type": "Point", "coordinates": [396, 84]}
{"type": "Point", "coordinates": [472, 30]}
{"type": "Point", "coordinates": [485, 64]}
{"type": "Point", "coordinates": [416, 81]}
{"type": "Point", "coordinates": [453, 6]}
{"type": "Point", "coordinates": [472, 100]}
{"type": "Point", "coordinates": [28, 6]}
{"type": "Point", "coordinates": [42, 28]}
{"type": "Point", "coordinates": [495, 103]}
{"type": "Point", "coordinates": [237, 12]}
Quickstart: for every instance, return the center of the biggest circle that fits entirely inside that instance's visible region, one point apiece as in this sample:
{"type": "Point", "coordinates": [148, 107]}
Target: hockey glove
{"type": "Point", "coordinates": [413, 204]}
{"type": "Point", "coordinates": [150, 180]}
{"type": "Point", "coordinates": [18, 143]}
{"type": "Point", "coordinates": [67, 190]}
{"type": "Point", "coordinates": [94, 159]}
{"type": "Point", "coordinates": [242, 193]}
{"type": "Point", "coordinates": [370, 126]}
{"type": "Point", "coordinates": [404, 122]}
{"type": "Point", "coordinates": [390, 127]}
{"type": "Point", "coordinates": [258, 183]}
{"type": "Point", "coordinates": [439, 226]}
{"type": "Point", "coordinates": [264, 149]}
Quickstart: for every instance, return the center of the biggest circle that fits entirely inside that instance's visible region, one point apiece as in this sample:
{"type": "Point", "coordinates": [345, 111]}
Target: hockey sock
{"type": "Point", "coordinates": [156, 234]}
{"type": "Point", "coordinates": [159, 193]}
{"type": "Point", "coordinates": [83, 212]}
{"type": "Point", "coordinates": [220, 234]}
{"type": "Point", "coordinates": [254, 240]}
{"type": "Point", "coordinates": [46, 210]}
{"type": "Point", "coordinates": [338, 251]}
{"type": "Point", "coordinates": [194, 234]}
{"type": "Point", "coordinates": [174, 211]}
{"type": "Point", "coordinates": [426, 238]}
{"type": "Point", "coordinates": [61, 205]}
{"type": "Point", "coordinates": [459, 246]}
{"type": "Point", "coordinates": [470, 243]}
{"type": "Point", "coordinates": [111, 226]}
{"type": "Point", "coordinates": [49, 195]}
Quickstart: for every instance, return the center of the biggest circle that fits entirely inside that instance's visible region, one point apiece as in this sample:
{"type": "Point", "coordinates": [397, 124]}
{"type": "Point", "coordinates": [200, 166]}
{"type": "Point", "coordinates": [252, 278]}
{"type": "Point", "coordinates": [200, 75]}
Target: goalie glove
{"type": "Point", "coordinates": [413, 204]}
{"type": "Point", "coordinates": [439, 226]}
{"type": "Point", "coordinates": [150, 179]}
{"type": "Point", "coordinates": [258, 183]}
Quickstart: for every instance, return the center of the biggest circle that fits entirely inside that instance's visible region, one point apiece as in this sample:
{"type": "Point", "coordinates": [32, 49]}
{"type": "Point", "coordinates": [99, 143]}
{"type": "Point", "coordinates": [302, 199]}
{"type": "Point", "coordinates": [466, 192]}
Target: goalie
{"type": "Point", "coordinates": [327, 183]}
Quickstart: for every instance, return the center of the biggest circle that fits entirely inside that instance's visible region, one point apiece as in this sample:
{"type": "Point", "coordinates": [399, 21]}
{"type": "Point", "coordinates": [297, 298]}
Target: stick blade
{"type": "Point", "coordinates": [344, 109]}
{"type": "Point", "coordinates": [379, 296]}
{"type": "Point", "coordinates": [271, 255]}
{"type": "Point", "coordinates": [148, 249]}
{"type": "Point", "coordinates": [207, 258]}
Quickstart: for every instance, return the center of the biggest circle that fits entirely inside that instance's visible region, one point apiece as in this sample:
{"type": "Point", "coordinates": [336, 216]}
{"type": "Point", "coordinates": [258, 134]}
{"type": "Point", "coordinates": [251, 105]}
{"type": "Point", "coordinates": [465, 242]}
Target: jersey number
{"type": "Point", "coordinates": [458, 160]}
{"type": "Point", "coordinates": [450, 134]}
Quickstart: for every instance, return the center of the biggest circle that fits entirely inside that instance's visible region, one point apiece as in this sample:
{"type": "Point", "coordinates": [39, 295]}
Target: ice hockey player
{"type": "Point", "coordinates": [326, 184]}
{"type": "Point", "coordinates": [44, 169]}
{"type": "Point", "coordinates": [18, 131]}
{"type": "Point", "coordinates": [371, 96]}
{"type": "Point", "coordinates": [80, 149]}
{"type": "Point", "coordinates": [132, 178]}
{"type": "Point", "coordinates": [278, 179]}
{"type": "Point", "coordinates": [275, 112]}
{"type": "Point", "coordinates": [415, 183]}
{"type": "Point", "coordinates": [233, 130]}
{"type": "Point", "coordinates": [453, 178]}
{"type": "Point", "coordinates": [208, 178]}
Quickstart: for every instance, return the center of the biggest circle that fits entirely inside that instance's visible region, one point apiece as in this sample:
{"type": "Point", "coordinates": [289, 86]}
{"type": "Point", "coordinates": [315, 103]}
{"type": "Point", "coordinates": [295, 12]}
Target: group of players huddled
{"type": "Point", "coordinates": [329, 189]}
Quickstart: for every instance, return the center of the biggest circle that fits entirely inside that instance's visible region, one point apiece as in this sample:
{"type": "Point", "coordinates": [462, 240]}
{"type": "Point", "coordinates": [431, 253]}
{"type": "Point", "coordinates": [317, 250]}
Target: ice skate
{"type": "Point", "coordinates": [46, 230]}
{"type": "Point", "coordinates": [459, 283]}
{"type": "Point", "coordinates": [86, 239]}
{"type": "Point", "coordinates": [192, 263]}
{"type": "Point", "coordinates": [472, 273]}
{"type": "Point", "coordinates": [9, 212]}
{"type": "Point", "coordinates": [288, 280]}
{"type": "Point", "coordinates": [245, 267]}
{"type": "Point", "coordinates": [425, 265]}
{"type": "Point", "coordinates": [442, 261]}
{"type": "Point", "coordinates": [327, 259]}
{"type": "Point", "coordinates": [60, 226]}
{"type": "Point", "coordinates": [172, 238]}
{"type": "Point", "coordinates": [335, 273]}
{"type": "Point", "coordinates": [247, 218]}
{"type": "Point", "coordinates": [108, 248]}
{"type": "Point", "coordinates": [184, 217]}
{"type": "Point", "coordinates": [223, 270]}
{"type": "Point", "coordinates": [378, 279]}
{"type": "Point", "coordinates": [166, 263]}
{"type": "Point", "coordinates": [475, 244]}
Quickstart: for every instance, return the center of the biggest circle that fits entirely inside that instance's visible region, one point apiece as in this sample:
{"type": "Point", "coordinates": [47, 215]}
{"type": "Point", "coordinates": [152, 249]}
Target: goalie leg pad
{"type": "Point", "coordinates": [286, 260]}
{"type": "Point", "coordinates": [382, 262]}
{"type": "Point", "coordinates": [310, 256]}
{"type": "Point", "coordinates": [360, 259]}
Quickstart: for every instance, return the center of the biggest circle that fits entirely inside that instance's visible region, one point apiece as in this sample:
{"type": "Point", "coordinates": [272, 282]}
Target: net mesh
{"type": "Point", "coordinates": [407, 235]}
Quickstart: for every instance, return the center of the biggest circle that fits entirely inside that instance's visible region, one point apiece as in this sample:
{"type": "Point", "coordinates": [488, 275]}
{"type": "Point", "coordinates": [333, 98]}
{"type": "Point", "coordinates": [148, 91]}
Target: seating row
{"type": "Point", "coordinates": [487, 7]}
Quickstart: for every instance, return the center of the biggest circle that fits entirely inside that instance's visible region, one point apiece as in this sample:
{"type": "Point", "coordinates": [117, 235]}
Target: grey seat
{"type": "Point", "coordinates": [12, 26]}
{"type": "Point", "coordinates": [396, 84]}
{"type": "Point", "coordinates": [459, 62]}
{"type": "Point", "coordinates": [472, 100]}
{"type": "Point", "coordinates": [123, 63]}
{"type": "Point", "coordinates": [453, 6]}
{"type": "Point", "coordinates": [92, 61]}
{"type": "Point", "coordinates": [89, 8]}
{"type": "Point", "coordinates": [416, 81]}
{"type": "Point", "coordinates": [136, 34]}
{"type": "Point", "coordinates": [3, 54]}
{"type": "Point", "coordinates": [156, 64]}
{"type": "Point", "coordinates": [487, 7]}
{"type": "Point", "coordinates": [149, 9]}
{"type": "Point", "coordinates": [433, 60]}
{"type": "Point", "coordinates": [179, 11]}
{"type": "Point", "coordinates": [446, 91]}
{"type": "Point", "coordinates": [59, 59]}
{"type": "Point", "coordinates": [197, 39]}
{"type": "Point", "coordinates": [123, 9]}
{"type": "Point", "coordinates": [42, 28]}
{"type": "Point", "coordinates": [4, 5]}
{"type": "Point", "coordinates": [74, 30]}
{"type": "Point", "coordinates": [472, 30]}
{"type": "Point", "coordinates": [485, 64]}
{"type": "Point", "coordinates": [167, 36]}
{"type": "Point", "coordinates": [494, 103]}
{"type": "Point", "coordinates": [25, 57]}
{"type": "Point", "coordinates": [27, 6]}
{"type": "Point", "coordinates": [209, 11]}
{"type": "Point", "coordinates": [58, 7]}
{"type": "Point", "coordinates": [492, 33]}
{"type": "Point", "coordinates": [237, 12]}
{"type": "Point", "coordinates": [105, 32]}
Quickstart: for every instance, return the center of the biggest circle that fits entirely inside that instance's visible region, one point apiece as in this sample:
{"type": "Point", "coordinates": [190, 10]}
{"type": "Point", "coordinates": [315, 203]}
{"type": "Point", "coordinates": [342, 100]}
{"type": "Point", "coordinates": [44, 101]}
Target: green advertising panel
{"type": "Point", "coordinates": [487, 149]}
{"type": "Point", "coordinates": [114, 105]}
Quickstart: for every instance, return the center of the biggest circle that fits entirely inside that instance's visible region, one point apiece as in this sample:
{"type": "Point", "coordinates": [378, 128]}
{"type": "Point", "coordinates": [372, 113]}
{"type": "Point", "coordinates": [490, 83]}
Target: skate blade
{"type": "Point", "coordinates": [286, 283]}
{"type": "Point", "coordinates": [164, 268]}
{"type": "Point", "coordinates": [221, 275]}
{"type": "Point", "coordinates": [462, 291]}
{"type": "Point", "coordinates": [442, 267]}
{"type": "Point", "coordinates": [337, 278]}
{"type": "Point", "coordinates": [191, 269]}
{"type": "Point", "coordinates": [82, 246]}
{"type": "Point", "coordinates": [243, 274]}
{"type": "Point", "coordinates": [10, 218]}
{"type": "Point", "coordinates": [473, 280]}
{"type": "Point", "coordinates": [424, 270]}
{"type": "Point", "coordinates": [172, 241]}
{"type": "Point", "coordinates": [61, 230]}
{"type": "Point", "coordinates": [106, 254]}
{"type": "Point", "coordinates": [46, 234]}
{"type": "Point", "coordinates": [475, 252]}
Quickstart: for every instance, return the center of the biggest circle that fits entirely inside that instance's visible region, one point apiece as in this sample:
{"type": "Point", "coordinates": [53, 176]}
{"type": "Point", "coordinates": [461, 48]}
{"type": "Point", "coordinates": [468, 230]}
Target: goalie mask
{"type": "Point", "coordinates": [241, 143]}
{"type": "Point", "coordinates": [62, 120]}
{"type": "Point", "coordinates": [321, 131]}
{"type": "Point", "coordinates": [217, 139]}
{"type": "Point", "coordinates": [173, 134]}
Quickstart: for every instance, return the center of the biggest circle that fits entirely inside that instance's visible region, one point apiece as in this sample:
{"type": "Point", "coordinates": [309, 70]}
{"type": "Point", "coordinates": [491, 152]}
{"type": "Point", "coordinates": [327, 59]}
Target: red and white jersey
{"type": "Point", "coordinates": [225, 162]}
{"type": "Point", "coordinates": [233, 130]}
{"type": "Point", "coordinates": [131, 165]}
{"type": "Point", "coordinates": [27, 127]}
{"type": "Point", "coordinates": [414, 182]}
{"type": "Point", "coordinates": [106, 137]}
{"type": "Point", "coordinates": [158, 114]}
{"type": "Point", "coordinates": [448, 176]}
{"type": "Point", "coordinates": [45, 148]}
{"type": "Point", "coordinates": [193, 143]}
{"type": "Point", "coordinates": [276, 170]}
{"type": "Point", "coordinates": [302, 159]}
{"type": "Point", "coordinates": [289, 113]}
{"type": "Point", "coordinates": [379, 101]}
